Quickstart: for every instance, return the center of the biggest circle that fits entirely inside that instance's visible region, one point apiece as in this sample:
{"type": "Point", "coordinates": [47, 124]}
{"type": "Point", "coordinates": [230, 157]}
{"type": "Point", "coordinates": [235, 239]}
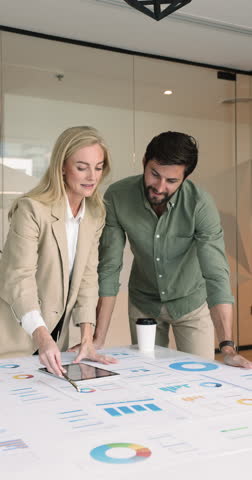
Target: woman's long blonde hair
{"type": "Point", "coordinates": [51, 187]}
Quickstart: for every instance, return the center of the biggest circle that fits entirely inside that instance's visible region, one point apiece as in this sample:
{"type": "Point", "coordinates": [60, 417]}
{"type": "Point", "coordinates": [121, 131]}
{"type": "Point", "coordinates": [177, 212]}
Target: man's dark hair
{"type": "Point", "coordinates": [173, 148]}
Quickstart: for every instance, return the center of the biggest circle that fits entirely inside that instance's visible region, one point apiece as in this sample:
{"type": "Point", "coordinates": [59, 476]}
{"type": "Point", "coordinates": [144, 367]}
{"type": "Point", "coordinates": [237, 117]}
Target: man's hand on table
{"type": "Point", "coordinates": [232, 358]}
{"type": "Point", "coordinates": [86, 350]}
{"type": "Point", "coordinates": [98, 343]}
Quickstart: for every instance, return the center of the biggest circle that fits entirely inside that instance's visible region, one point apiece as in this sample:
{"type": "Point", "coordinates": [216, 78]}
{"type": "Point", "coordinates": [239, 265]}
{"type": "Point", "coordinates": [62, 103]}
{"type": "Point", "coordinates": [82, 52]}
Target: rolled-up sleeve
{"type": "Point", "coordinates": [111, 250]}
{"type": "Point", "coordinates": [211, 253]}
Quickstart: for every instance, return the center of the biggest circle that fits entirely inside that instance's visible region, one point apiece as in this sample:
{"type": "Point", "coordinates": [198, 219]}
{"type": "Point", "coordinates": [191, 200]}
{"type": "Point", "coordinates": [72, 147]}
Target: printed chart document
{"type": "Point", "coordinates": [164, 413]}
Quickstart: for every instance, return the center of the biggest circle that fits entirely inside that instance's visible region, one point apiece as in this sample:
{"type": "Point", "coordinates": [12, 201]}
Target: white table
{"type": "Point", "coordinates": [166, 414]}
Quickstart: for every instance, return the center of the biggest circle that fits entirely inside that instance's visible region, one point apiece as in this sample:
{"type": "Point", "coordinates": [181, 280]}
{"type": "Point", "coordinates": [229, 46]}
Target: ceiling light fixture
{"type": "Point", "coordinates": [168, 92]}
{"type": "Point", "coordinates": [157, 9]}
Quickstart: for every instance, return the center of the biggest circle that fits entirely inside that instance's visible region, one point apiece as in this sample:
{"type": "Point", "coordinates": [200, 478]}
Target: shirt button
{"type": "Point", "coordinates": [158, 259]}
{"type": "Point", "coordinates": [160, 276]}
{"type": "Point", "coordinates": [157, 236]}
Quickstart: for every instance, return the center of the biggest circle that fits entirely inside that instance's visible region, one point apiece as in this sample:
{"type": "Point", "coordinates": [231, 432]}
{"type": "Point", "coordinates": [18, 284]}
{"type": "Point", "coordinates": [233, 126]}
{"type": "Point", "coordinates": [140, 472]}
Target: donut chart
{"type": "Point", "coordinates": [22, 376]}
{"type": "Point", "coordinates": [100, 453]}
{"type": "Point", "coordinates": [9, 365]}
{"type": "Point", "coordinates": [87, 390]}
{"type": "Point", "coordinates": [193, 366]}
{"type": "Point", "coordinates": [210, 384]}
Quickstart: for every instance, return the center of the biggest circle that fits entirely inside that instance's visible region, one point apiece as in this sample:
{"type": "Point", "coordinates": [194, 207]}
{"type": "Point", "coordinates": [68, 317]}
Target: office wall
{"type": "Point", "coordinates": [48, 86]}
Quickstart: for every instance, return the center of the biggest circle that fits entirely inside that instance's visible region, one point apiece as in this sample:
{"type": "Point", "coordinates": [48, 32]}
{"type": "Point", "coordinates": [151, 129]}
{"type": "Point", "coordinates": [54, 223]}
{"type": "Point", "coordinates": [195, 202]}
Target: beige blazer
{"type": "Point", "coordinates": [34, 272]}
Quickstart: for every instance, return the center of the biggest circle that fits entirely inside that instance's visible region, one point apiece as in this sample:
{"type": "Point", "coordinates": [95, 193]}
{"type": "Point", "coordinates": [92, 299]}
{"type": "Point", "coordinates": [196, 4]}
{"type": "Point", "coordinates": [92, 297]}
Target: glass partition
{"type": "Point", "coordinates": [47, 86]}
{"type": "Point", "coordinates": [243, 170]}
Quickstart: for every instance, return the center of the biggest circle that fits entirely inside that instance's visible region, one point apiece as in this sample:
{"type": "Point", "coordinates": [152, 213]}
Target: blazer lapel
{"type": "Point", "coordinates": [59, 230]}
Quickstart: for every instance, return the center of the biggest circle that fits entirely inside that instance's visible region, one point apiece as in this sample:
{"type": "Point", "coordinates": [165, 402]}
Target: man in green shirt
{"type": "Point", "coordinates": [180, 274]}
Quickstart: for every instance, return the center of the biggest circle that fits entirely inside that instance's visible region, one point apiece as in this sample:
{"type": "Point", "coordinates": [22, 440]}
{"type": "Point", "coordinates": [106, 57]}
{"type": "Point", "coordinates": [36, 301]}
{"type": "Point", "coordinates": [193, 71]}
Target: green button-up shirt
{"type": "Point", "coordinates": [179, 257]}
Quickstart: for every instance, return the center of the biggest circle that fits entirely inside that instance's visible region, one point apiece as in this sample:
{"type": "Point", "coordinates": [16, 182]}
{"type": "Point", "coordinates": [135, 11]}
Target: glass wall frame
{"type": "Point", "coordinates": [1, 148]}
{"type": "Point", "coordinates": [48, 86]}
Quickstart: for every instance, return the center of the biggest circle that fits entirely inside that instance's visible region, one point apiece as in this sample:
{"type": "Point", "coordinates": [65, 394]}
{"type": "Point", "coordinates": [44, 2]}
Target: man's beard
{"type": "Point", "coordinates": [155, 200]}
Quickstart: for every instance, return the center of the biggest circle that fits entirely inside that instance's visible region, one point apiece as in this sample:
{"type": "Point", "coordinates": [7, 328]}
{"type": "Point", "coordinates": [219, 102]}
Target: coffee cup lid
{"type": "Point", "coordinates": [146, 321]}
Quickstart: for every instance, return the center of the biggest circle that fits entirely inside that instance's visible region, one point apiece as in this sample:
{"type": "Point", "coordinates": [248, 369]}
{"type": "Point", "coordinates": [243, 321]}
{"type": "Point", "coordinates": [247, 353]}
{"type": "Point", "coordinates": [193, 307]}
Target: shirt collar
{"type": "Point", "coordinates": [69, 213]}
{"type": "Point", "coordinates": [173, 200]}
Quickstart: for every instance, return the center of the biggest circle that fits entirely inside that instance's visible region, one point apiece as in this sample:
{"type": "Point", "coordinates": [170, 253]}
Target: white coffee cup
{"type": "Point", "coordinates": [146, 333]}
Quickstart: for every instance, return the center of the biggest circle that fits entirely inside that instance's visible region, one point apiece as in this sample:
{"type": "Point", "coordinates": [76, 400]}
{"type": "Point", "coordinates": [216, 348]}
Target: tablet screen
{"type": "Point", "coordinates": [82, 371]}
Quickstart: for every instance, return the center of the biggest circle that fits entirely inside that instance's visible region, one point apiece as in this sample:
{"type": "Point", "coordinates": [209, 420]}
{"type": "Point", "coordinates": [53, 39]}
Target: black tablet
{"type": "Point", "coordinates": [82, 371]}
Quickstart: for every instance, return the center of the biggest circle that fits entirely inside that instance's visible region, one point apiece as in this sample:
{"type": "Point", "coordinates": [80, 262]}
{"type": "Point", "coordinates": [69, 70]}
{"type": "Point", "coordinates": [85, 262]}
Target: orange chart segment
{"type": "Point", "coordinates": [245, 401]}
{"type": "Point", "coordinates": [143, 452]}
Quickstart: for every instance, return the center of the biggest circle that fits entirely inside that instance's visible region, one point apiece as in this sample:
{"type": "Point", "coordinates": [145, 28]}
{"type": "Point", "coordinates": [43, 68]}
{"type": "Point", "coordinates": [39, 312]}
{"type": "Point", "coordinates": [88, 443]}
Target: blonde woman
{"type": "Point", "coordinates": [48, 269]}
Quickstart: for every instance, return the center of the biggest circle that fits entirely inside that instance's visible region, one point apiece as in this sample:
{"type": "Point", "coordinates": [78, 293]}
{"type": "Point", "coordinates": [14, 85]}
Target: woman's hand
{"type": "Point", "coordinates": [49, 354]}
{"type": "Point", "coordinates": [86, 350]}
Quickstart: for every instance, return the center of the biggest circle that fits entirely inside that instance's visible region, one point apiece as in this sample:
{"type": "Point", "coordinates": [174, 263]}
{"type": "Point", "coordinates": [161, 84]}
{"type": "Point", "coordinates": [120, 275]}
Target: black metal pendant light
{"type": "Point", "coordinates": [156, 8]}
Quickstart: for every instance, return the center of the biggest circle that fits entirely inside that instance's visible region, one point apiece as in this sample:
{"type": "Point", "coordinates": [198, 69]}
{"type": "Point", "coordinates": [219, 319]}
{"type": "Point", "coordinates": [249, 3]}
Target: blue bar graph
{"type": "Point", "coordinates": [118, 411]}
{"type": "Point", "coordinates": [113, 412]}
{"type": "Point", "coordinates": [125, 410]}
{"type": "Point", "coordinates": [138, 408]}
{"type": "Point", "coordinates": [152, 407]}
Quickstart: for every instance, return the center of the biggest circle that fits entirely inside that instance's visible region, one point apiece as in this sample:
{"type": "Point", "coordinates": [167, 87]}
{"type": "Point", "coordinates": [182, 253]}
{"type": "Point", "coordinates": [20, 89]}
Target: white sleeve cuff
{"type": "Point", "coordinates": [32, 320]}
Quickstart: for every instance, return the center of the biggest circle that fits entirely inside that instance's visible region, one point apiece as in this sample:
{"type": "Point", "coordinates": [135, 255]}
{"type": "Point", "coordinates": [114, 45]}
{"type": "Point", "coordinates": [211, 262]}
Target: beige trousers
{"type": "Point", "coordinates": [193, 332]}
